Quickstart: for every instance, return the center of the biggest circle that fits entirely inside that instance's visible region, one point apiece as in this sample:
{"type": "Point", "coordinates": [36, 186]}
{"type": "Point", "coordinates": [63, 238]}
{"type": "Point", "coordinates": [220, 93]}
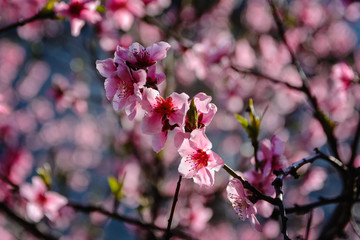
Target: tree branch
{"type": "Point", "coordinates": [30, 227]}
{"type": "Point", "coordinates": [22, 22]}
{"type": "Point", "coordinates": [90, 208]}
{"type": "Point", "coordinates": [326, 124]}
{"type": "Point", "coordinates": [261, 75]}
{"type": "Point", "coordinates": [248, 185]}
{"type": "Point", "coordinates": [168, 233]}
{"type": "Point", "coordinates": [355, 145]}
{"type": "Point", "coordinates": [303, 209]}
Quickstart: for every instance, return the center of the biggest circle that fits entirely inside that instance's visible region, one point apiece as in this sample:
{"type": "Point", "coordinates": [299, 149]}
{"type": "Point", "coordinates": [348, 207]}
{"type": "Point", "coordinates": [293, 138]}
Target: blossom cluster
{"type": "Point", "coordinates": [228, 49]}
{"type": "Point", "coordinates": [132, 85]}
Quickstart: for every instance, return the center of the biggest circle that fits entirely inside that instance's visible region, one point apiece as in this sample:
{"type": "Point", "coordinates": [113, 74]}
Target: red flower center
{"type": "Point", "coordinates": [75, 8]}
{"type": "Point", "coordinates": [41, 198]}
{"type": "Point", "coordinates": [143, 60]}
{"type": "Point", "coordinates": [200, 158]}
{"type": "Point", "coordinates": [164, 107]}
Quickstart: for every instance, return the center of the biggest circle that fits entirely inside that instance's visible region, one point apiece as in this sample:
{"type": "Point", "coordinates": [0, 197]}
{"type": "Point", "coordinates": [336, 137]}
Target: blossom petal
{"type": "Point", "coordinates": [204, 177]}
{"type": "Point", "coordinates": [158, 141]}
{"type": "Point", "coordinates": [158, 50]}
{"type": "Point", "coordinates": [106, 67]}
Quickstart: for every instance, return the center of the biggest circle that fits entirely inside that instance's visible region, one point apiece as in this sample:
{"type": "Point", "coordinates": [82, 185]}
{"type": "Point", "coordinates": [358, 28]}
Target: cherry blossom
{"type": "Point", "coordinates": [342, 75]}
{"type": "Point", "coordinates": [241, 204]}
{"type": "Point", "coordinates": [122, 86]}
{"type": "Point", "coordinates": [162, 115]}
{"type": "Point", "coordinates": [41, 202]}
{"type": "Point", "coordinates": [123, 12]}
{"type": "Point", "coordinates": [270, 157]}
{"type": "Point", "coordinates": [138, 57]}
{"type": "Point", "coordinates": [78, 11]}
{"type": "Point", "coordinates": [198, 161]}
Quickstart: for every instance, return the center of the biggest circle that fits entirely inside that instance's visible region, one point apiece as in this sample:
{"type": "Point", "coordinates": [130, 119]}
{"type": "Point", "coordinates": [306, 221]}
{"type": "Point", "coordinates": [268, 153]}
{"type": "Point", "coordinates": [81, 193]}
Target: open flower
{"type": "Point", "coordinates": [78, 11]}
{"type": "Point", "coordinates": [162, 115]}
{"type": "Point", "coordinates": [198, 161]}
{"type": "Point", "coordinates": [122, 86]}
{"type": "Point", "coordinates": [243, 207]}
{"type": "Point", "coordinates": [41, 202]}
{"type": "Point", "coordinates": [138, 57]}
{"type": "Point", "coordinates": [123, 12]}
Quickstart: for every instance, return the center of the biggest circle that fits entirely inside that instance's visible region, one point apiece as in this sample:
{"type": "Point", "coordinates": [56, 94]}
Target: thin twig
{"type": "Point", "coordinates": [318, 114]}
{"type": "Point", "coordinates": [133, 221]}
{"type": "Point", "coordinates": [22, 22]}
{"type": "Point", "coordinates": [308, 226]}
{"type": "Point", "coordinates": [168, 233]}
{"type": "Point", "coordinates": [248, 185]}
{"type": "Point", "coordinates": [322, 202]}
{"type": "Point", "coordinates": [280, 203]}
{"type": "Point", "coordinates": [354, 145]}
{"type": "Point", "coordinates": [261, 75]}
{"type": "Point", "coordinates": [29, 227]}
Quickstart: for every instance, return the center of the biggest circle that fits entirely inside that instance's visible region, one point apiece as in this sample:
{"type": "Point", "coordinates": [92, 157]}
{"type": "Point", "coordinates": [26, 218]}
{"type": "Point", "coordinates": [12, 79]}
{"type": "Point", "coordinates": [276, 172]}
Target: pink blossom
{"type": "Point", "coordinates": [197, 215]}
{"type": "Point", "coordinates": [41, 202]}
{"type": "Point", "coordinates": [78, 11]}
{"type": "Point", "coordinates": [343, 75]}
{"type": "Point", "coordinates": [270, 156]}
{"type": "Point", "coordinates": [198, 161]}
{"type": "Point", "coordinates": [162, 114]}
{"type": "Point", "coordinates": [138, 57]}
{"type": "Point", "coordinates": [123, 12]}
{"type": "Point", "coordinates": [243, 207]}
{"type": "Point", "coordinates": [122, 86]}
{"type": "Point", "coordinates": [16, 164]}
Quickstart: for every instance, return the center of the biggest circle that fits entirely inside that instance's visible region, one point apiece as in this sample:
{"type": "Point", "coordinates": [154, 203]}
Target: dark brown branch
{"type": "Point", "coordinates": [308, 226]}
{"type": "Point", "coordinates": [355, 145]}
{"type": "Point", "coordinates": [29, 227]}
{"type": "Point", "coordinates": [318, 114]}
{"type": "Point", "coordinates": [22, 22]}
{"type": "Point", "coordinates": [261, 75]}
{"type": "Point", "coordinates": [279, 197]}
{"type": "Point", "coordinates": [248, 185]}
{"type": "Point", "coordinates": [168, 232]}
{"type": "Point", "coordinates": [129, 220]}
{"type": "Point", "coordinates": [303, 209]}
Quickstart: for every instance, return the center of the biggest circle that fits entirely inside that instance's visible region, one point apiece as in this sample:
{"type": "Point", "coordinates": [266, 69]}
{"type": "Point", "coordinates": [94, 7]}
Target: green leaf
{"type": "Point", "coordinates": [243, 121]}
{"type": "Point", "coordinates": [44, 173]}
{"type": "Point", "coordinates": [114, 185]}
{"type": "Point", "coordinates": [101, 9]}
{"type": "Point", "coordinates": [252, 127]}
{"type": "Point", "coordinates": [192, 117]}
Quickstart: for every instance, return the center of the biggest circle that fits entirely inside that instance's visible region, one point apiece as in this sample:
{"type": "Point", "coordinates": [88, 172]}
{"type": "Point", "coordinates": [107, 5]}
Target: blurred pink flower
{"type": "Point", "coordinates": [78, 11]}
{"type": "Point", "coordinates": [138, 57]}
{"type": "Point", "coordinates": [196, 216]}
{"type": "Point", "coordinates": [123, 12]}
{"type": "Point", "coordinates": [162, 115]}
{"type": "Point", "coordinates": [16, 164]}
{"type": "Point", "coordinates": [342, 75]}
{"type": "Point", "coordinates": [40, 201]}
{"type": "Point", "coordinates": [270, 157]}
{"type": "Point", "coordinates": [243, 207]}
{"type": "Point", "coordinates": [198, 161]}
